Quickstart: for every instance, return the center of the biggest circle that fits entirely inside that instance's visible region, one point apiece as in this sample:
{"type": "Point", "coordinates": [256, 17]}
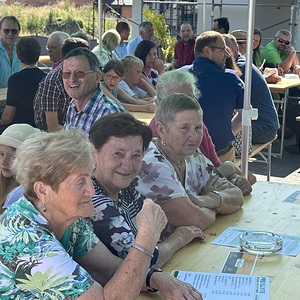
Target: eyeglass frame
{"type": "Point", "coordinates": [53, 48]}
{"type": "Point", "coordinates": [222, 49]}
{"type": "Point", "coordinates": [83, 73]}
{"type": "Point", "coordinates": [12, 31]}
{"type": "Point", "coordinates": [282, 41]}
{"type": "Point", "coordinates": [113, 78]}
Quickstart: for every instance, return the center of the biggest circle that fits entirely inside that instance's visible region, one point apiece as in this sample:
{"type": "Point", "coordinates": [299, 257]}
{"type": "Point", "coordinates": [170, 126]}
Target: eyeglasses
{"type": "Point", "coordinates": [77, 74]}
{"type": "Point", "coordinates": [53, 48]}
{"type": "Point", "coordinates": [281, 41]}
{"type": "Point", "coordinates": [13, 31]}
{"type": "Point", "coordinates": [112, 78]}
{"type": "Point", "coordinates": [222, 49]}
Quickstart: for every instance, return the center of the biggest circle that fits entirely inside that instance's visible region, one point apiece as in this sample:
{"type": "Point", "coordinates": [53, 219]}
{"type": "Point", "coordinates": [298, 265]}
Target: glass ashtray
{"type": "Point", "coordinates": [260, 242]}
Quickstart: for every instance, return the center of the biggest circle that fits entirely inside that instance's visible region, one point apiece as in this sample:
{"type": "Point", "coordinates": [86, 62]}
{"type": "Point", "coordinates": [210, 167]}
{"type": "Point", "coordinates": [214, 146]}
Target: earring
{"type": "Point", "coordinates": [44, 209]}
{"type": "Point", "coordinates": [163, 142]}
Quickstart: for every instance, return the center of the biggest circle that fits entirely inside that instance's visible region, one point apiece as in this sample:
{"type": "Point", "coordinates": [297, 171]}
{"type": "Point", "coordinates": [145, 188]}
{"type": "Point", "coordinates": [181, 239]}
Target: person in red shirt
{"type": "Point", "coordinates": [184, 48]}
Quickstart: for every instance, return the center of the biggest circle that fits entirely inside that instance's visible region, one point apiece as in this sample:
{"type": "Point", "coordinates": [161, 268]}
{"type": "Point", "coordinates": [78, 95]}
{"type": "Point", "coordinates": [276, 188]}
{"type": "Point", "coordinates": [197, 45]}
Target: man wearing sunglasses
{"type": "Point", "coordinates": [9, 62]}
{"type": "Point", "coordinates": [280, 52]}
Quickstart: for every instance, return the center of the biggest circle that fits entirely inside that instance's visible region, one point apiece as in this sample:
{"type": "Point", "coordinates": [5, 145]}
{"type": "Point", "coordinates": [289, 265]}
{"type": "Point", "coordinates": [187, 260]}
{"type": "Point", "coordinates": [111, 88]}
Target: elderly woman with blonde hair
{"type": "Point", "coordinates": [48, 250]}
{"type": "Point", "coordinates": [110, 40]}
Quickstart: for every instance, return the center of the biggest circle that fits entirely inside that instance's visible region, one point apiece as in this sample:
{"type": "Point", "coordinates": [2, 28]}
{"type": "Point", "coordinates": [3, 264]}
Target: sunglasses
{"type": "Point", "coordinates": [77, 74]}
{"type": "Point", "coordinates": [283, 41]}
{"type": "Point", "coordinates": [13, 31]}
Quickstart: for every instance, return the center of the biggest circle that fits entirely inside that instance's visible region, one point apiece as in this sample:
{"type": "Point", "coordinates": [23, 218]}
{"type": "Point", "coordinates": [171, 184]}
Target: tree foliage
{"type": "Point", "coordinates": [161, 31]}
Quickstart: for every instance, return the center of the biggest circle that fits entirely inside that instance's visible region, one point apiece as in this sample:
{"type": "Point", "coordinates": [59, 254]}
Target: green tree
{"type": "Point", "coordinates": [160, 29]}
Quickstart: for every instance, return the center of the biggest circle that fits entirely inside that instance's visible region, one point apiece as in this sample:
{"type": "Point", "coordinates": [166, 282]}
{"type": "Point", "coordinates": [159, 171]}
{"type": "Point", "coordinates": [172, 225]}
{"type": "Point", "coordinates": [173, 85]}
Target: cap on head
{"type": "Point", "coordinates": [240, 35]}
{"type": "Point", "coordinates": [14, 135]}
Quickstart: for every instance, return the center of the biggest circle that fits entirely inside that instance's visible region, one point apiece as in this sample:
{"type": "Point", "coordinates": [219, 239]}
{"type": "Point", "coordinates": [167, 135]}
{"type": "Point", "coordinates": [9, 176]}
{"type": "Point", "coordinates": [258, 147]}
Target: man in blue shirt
{"type": "Point", "coordinates": [124, 32]}
{"type": "Point", "coordinates": [146, 32]}
{"type": "Point", "coordinates": [264, 129]}
{"type": "Point", "coordinates": [9, 62]}
{"type": "Point", "coordinates": [222, 92]}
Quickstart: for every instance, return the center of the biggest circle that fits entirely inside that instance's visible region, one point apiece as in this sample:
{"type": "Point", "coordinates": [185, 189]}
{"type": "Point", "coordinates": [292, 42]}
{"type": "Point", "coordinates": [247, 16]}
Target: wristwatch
{"type": "Point", "coordinates": [220, 195]}
{"type": "Point", "coordinates": [150, 273]}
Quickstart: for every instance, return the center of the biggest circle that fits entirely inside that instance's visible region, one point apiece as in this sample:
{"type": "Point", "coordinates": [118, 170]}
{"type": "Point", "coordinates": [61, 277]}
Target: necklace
{"type": "Point", "coordinates": [180, 167]}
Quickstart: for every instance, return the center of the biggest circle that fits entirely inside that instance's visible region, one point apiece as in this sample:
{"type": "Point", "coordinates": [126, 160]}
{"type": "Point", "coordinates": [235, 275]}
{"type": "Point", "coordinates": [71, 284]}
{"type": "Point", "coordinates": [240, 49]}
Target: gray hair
{"type": "Point", "coordinates": [63, 35]}
{"type": "Point", "coordinates": [284, 32]}
{"type": "Point", "coordinates": [51, 158]}
{"type": "Point", "coordinates": [143, 25]}
{"type": "Point", "coordinates": [130, 61]}
{"type": "Point", "coordinates": [176, 81]}
{"type": "Point", "coordinates": [168, 108]}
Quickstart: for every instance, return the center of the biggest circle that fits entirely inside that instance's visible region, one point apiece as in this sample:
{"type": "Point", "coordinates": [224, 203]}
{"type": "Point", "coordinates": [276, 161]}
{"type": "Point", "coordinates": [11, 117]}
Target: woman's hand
{"type": "Point", "coordinates": [151, 219]}
{"type": "Point", "coordinates": [188, 233]}
{"type": "Point", "coordinates": [171, 288]}
{"type": "Point", "coordinates": [241, 182]}
{"type": "Point", "coordinates": [159, 66]}
{"type": "Point", "coordinates": [215, 183]}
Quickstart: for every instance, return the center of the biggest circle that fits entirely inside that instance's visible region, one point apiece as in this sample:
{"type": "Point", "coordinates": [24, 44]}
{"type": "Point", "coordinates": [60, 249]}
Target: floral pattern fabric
{"type": "Point", "coordinates": [159, 181]}
{"type": "Point", "coordinates": [34, 264]}
{"type": "Point", "coordinates": [115, 222]}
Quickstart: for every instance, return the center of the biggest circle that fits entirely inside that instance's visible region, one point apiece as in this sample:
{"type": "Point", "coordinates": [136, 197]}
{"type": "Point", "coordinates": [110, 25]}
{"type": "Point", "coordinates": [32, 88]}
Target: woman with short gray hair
{"type": "Point", "coordinates": [177, 176]}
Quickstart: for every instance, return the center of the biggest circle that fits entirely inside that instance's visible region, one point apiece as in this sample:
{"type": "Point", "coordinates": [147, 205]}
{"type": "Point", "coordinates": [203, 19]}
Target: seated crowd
{"type": "Point", "coordinates": [100, 200]}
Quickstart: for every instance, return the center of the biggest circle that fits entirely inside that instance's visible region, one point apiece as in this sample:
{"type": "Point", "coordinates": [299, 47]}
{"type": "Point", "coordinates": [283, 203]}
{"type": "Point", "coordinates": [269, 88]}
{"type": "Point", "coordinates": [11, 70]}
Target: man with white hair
{"type": "Point", "coordinates": [54, 44]}
{"type": "Point", "coordinates": [146, 32]}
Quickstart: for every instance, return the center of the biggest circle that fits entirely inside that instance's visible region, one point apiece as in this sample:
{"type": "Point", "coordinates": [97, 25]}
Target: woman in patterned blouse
{"type": "Point", "coordinates": [120, 141]}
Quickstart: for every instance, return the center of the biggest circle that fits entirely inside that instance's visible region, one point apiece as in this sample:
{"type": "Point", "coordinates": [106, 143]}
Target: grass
{"type": "Point", "coordinates": [34, 19]}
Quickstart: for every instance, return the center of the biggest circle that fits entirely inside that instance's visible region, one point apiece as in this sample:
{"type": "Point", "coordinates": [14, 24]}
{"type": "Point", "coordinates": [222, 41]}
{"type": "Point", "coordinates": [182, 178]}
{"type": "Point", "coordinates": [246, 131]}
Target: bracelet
{"type": "Point", "coordinates": [150, 273]}
{"type": "Point", "coordinates": [144, 250]}
{"type": "Point", "coordinates": [220, 195]}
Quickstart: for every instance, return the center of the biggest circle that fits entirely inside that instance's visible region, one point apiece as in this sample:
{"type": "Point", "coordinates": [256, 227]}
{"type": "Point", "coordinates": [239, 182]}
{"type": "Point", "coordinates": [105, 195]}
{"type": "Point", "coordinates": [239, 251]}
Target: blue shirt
{"type": "Point", "coordinates": [222, 92]}
{"type": "Point", "coordinates": [7, 67]}
{"type": "Point", "coordinates": [121, 50]}
{"type": "Point", "coordinates": [98, 106]}
{"type": "Point", "coordinates": [131, 46]}
{"type": "Point", "coordinates": [261, 97]}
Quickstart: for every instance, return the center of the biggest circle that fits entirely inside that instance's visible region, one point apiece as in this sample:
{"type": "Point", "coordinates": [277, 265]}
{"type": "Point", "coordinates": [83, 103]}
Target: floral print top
{"type": "Point", "coordinates": [159, 181]}
{"type": "Point", "coordinates": [34, 264]}
{"type": "Point", "coordinates": [115, 222]}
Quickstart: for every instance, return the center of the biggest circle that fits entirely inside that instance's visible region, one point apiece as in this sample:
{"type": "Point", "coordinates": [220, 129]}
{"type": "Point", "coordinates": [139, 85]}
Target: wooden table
{"type": "Point", "coordinates": [3, 93]}
{"type": "Point", "coordinates": [143, 116]}
{"type": "Point", "coordinates": [283, 87]}
{"type": "Point", "coordinates": [263, 210]}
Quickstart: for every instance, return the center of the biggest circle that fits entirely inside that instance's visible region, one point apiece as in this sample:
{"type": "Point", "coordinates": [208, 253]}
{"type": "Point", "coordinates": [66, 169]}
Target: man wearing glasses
{"type": "Point", "coordinates": [9, 62]}
{"type": "Point", "coordinates": [222, 92]}
{"type": "Point", "coordinates": [280, 52]}
{"type": "Point", "coordinates": [54, 45]}
{"type": "Point", "coordinates": [81, 77]}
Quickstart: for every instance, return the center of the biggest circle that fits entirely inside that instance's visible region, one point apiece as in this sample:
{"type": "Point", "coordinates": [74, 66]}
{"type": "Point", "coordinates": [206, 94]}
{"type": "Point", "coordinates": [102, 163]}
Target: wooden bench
{"type": "Point", "coordinates": [266, 157]}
